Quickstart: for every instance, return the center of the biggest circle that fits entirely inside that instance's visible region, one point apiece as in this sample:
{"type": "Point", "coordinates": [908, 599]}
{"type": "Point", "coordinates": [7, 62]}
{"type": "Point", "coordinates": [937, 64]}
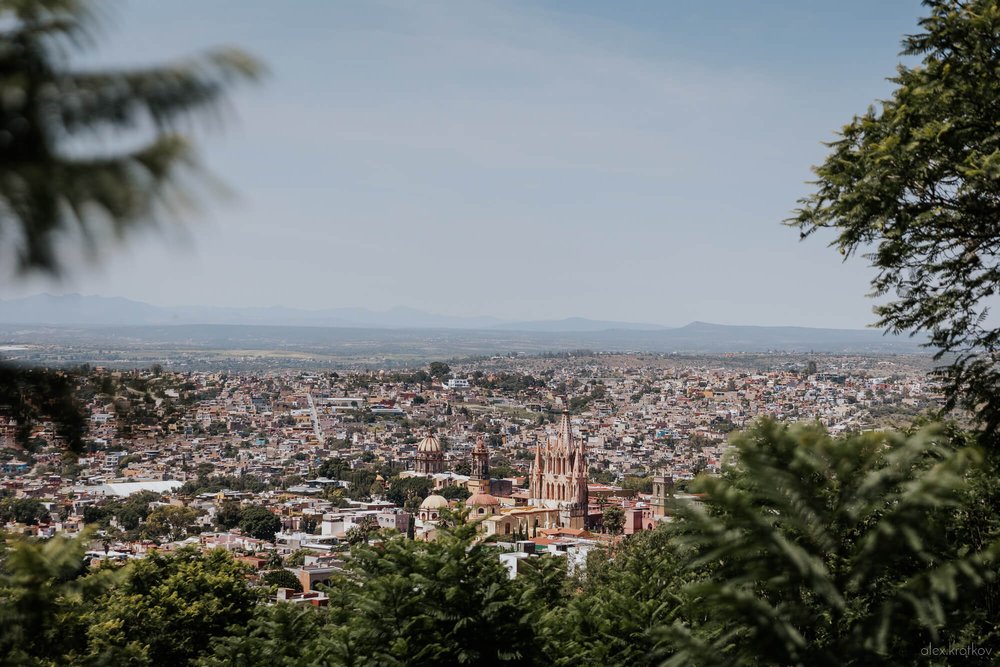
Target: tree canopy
{"type": "Point", "coordinates": [259, 522]}
{"type": "Point", "coordinates": [88, 154]}
{"type": "Point", "coordinates": [47, 105]}
{"type": "Point", "coordinates": [914, 183]}
{"type": "Point", "coordinates": [832, 551]}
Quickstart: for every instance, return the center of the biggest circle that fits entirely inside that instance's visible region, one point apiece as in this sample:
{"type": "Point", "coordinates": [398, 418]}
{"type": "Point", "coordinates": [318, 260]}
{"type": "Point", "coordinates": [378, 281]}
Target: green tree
{"type": "Point", "coordinates": [454, 492]}
{"type": "Point", "coordinates": [44, 596]}
{"type": "Point", "coordinates": [402, 489]}
{"type": "Point", "coordinates": [288, 635]}
{"type": "Point", "coordinates": [46, 189]}
{"type": "Point", "coordinates": [614, 519]}
{"type": "Point", "coordinates": [135, 509]}
{"type": "Point", "coordinates": [259, 522]}
{"type": "Point", "coordinates": [310, 523]}
{"type": "Point", "coordinates": [334, 468]}
{"type": "Point", "coordinates": [170, 522]}
{"type": "Point", "coordinates": [228, 515]}
{"type": "Point", "coordinates": [439, 370]}
{"type": "Point", "coordinates": [282, 579]}
{"type": "Point", "coordinates": [915, 184]}
{"type": "Point", "coordinates": [298, 557]}
{"type": "Point", "coordinates": [430, 603]}
{"type": "Point", "coordinates": [49, 192]}
{"type": "Point", "coordinates": [362, 531]}
{"type": "Point", "coordinates": [823, 551]}
{"type": "Point", "coordinates": [33, 394]}
{"type": "Point", "coordinates": [171, 609]}
{"type": "Point", "coordinates": [623, 597]}
{"type": "Point", "coordinates": [22, 510]}
{"type": "Point", "coordinates": [642, 484]}
{"type": "Point", "coordinates": [273, 560]}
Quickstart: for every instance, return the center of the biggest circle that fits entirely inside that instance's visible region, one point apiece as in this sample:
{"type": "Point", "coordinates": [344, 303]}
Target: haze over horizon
{"type": "Point", "coordinates": [526, 161]}
{"type": "Point", "coordinates": [66, 308]}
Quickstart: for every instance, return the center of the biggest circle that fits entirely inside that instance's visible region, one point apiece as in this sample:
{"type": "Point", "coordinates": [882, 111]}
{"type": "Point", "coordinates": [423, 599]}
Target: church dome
{"type": "Point", "coordinates": [429, 444]}
{"type": "Point", "coordinates": [434, 502]}
{"type": "Point", "coordinates": [482, 499]}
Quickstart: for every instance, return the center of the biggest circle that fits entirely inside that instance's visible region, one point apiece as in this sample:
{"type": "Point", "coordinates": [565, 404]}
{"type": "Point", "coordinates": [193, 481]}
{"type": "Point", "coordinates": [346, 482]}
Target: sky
{"type": "Point", "coordinates": [525, 160]}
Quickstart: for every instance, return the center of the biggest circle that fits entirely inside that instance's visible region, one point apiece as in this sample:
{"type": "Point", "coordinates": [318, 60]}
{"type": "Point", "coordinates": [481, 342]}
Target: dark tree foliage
{"type": "Point", "coordinates": [31, 395]}
{"type": "Point", "coordinates": [362, 531]}
{"type": "Point", "coordinates": [402, 489]}
{"type": "Point", "coordinates": [334, 468]}
{"type": "Point", "coordinates": [454, 492]}
{"type": "Point", "coordinates": [259, 522]}
{"type": "Point", "coordinates": [823, 551]}
{"type": "Point", "coordinates": [621, 599]}
{"type": "Point", "coordinates": [48, 192]}
{"type": "Point", "coordinates": [228, 515]}
{"type": "Point", "coordinates": [614, 520]}
{"type": "Point", "coordinates": [206, 483]}
{"type": "Point", "coordinates": [438, 369]}
{"type": "Point", "coordinates": [916, 181]}
{"type": "Point", "coordinates": [45, 189]}
{"type": "Point", "coordinates": [507, 381]}
{"type": "Point", "coordinates": [361, 480]}
{"type": "Point", "coordinates": [169, 610]}
{"type": "Point", "coordinates": [44, 598]}
{"type": "Point", "coordinates": [282, 579]}
{"type": "Point", "coordinates": [282, 635]}
{"type": "Point", "coordinates": [22, 510]}
{"type": "Point", "coordinates": [445, 602]}
{"type": "Point", "coordinates": [133, 510]}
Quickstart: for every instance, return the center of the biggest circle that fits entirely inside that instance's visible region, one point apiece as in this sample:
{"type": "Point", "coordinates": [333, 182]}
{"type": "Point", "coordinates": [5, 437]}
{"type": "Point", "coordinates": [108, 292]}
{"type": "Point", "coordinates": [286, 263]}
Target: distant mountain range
{"type": "Point", "coordinates": [340, 331]}
{"type": "Point", "coordinates": [79, 310]}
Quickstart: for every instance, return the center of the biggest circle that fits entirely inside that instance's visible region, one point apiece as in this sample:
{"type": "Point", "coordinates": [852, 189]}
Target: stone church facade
{"type": "Point", "coordinates": [558, 478]}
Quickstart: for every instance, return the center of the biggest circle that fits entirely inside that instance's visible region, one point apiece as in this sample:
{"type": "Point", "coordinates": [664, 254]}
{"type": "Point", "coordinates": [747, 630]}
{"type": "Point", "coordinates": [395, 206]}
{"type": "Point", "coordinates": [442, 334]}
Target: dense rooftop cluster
{"type": "Point", "coordinates": [177, 457]}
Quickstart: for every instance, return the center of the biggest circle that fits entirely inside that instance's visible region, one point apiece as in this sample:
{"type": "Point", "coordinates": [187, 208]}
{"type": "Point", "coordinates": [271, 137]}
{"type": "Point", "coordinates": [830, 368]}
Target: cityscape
{"type": "Point", "coordinates": [499, 332]}
{"type": "Point", "coordinates": [332, 453]}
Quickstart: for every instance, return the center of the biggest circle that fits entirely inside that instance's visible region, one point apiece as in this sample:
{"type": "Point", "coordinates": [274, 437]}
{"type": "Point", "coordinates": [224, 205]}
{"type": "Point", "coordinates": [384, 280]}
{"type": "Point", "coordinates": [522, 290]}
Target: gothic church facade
{"type": "Point", "coordinates": [558, 478]}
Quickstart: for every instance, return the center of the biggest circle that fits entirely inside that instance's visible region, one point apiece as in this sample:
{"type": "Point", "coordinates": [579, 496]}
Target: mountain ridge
{"type": "Point", "coordinates": [106, 313]}
{"type": "Point", "coordinates": [77, 310]}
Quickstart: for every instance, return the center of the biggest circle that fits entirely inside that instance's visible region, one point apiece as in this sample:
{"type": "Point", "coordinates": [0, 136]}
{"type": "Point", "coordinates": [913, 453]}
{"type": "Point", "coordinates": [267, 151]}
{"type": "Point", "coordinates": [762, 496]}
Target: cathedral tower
{"type": "Point", "coordinates": [558, 476]}
{"type": "Point", "coordinates": [479, 478]}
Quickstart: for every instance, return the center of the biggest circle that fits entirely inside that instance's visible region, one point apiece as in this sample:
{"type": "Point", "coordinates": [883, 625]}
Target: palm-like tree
{"type": "Point", "coordinates": [58, 178]}
{"type": "Point", "coordinates": [823, 551]}
{"type": "Point", "coordinates": [50, 114]}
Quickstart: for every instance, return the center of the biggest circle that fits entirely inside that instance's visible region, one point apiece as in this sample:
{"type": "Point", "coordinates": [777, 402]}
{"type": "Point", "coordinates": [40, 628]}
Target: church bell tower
{"type": "Point", "coordinates": [479, 478]}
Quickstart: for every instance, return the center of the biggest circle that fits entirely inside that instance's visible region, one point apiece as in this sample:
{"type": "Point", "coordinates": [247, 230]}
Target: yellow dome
{"type": "Point", "coordinates": [429, 444]}
{"type": "Point", "coordinates": [434, 502]}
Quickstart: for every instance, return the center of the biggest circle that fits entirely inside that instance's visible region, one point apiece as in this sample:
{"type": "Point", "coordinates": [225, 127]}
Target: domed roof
{"type": "Point", "coordinates": [482, 499]}
{"type": "Point", "coordinates": [434, 502]}
{"type": "Point", "coordinates": [429, 444]}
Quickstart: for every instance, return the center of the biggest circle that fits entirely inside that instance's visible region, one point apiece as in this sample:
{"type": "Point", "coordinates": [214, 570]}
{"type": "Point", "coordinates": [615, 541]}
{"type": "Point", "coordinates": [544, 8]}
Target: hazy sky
{"type": "Point", "coordinates": [528, 160]}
